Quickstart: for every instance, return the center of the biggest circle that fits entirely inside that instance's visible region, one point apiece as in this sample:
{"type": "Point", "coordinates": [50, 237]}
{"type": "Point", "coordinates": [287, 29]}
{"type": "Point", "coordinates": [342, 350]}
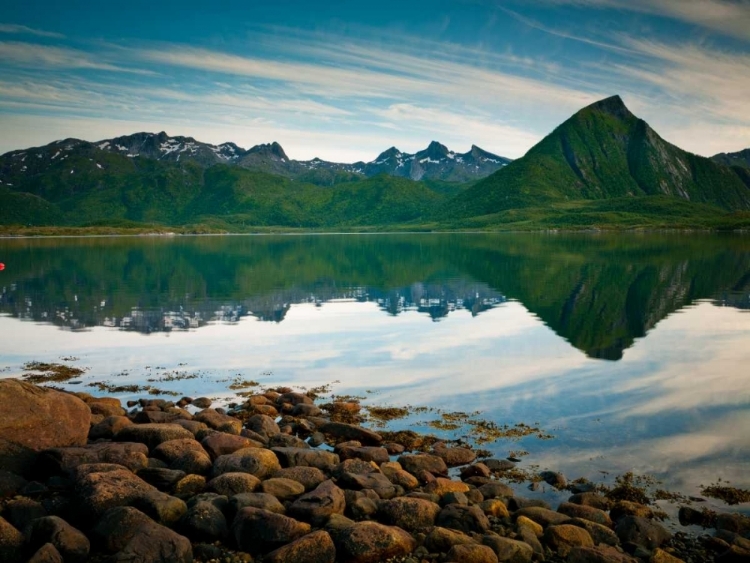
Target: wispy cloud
{"type": "Point", "coordinates": [35, 56]}
{"type": "Point", "coordinates": [22, 29]}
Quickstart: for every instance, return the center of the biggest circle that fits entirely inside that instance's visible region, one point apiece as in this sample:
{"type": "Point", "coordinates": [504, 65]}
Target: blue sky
{"type": "Point", "coordinates": [344, 80]}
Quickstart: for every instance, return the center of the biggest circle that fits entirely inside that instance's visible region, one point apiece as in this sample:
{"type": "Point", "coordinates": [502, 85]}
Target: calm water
{"type": "Point", "coordinates": [632, 350]}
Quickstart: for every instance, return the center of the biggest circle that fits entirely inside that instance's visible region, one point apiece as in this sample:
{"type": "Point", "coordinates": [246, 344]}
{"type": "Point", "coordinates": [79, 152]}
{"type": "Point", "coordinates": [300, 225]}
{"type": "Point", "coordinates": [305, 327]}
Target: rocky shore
{"type": "Point", "coordinates": [279, 479]}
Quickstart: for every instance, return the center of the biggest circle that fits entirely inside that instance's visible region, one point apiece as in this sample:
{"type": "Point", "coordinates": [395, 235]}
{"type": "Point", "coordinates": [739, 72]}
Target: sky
{"type": "Point", "coordinates": [345, 80]}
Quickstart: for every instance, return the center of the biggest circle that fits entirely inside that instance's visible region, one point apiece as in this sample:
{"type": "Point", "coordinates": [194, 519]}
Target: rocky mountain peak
{"type": "Point", "coordinates": [613, 106]}
{"type": "Point", "coordinates": [436, 150]}
{"type": "Point", "coordinates": [392, 152]}
{"type": "Point", "coordinates": [273, 150]}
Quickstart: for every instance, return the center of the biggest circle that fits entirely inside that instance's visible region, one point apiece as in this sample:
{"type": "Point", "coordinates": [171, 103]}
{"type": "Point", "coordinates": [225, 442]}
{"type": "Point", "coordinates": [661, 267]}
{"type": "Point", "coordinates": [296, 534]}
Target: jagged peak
{"type": "Point", "coordinates": [612, 105]}
{"type": "Point", "coordinates": [273, 149]}
{"type": "Point", "coordinates": [437, 148]}
{"type": "Point", "coordinates": [390, 153]}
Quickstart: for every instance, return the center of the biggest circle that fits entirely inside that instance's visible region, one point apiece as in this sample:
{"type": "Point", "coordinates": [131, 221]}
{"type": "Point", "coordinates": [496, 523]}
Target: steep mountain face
{"type": "Point", "coordinates": [602, 152]}
{"type": "Point", "coordinates": [741, 158]}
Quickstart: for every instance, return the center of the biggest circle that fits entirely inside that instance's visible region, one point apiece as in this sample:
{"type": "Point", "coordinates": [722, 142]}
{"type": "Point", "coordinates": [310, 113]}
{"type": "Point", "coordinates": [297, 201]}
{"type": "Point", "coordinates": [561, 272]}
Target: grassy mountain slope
{"type": "Point", "coordinates": [602, 152]}
{"type": "Point", "coordinates": [741, 158]}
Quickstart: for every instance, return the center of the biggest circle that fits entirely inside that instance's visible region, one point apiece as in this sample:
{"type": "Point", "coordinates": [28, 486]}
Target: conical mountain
{"type": "Point", "coordinates": [602, 152]}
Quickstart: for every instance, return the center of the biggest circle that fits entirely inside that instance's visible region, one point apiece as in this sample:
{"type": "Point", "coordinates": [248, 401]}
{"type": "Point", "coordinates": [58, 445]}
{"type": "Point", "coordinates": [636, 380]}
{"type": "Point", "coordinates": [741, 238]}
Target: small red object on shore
{"type": "Point", "coordinates": [2, 266]}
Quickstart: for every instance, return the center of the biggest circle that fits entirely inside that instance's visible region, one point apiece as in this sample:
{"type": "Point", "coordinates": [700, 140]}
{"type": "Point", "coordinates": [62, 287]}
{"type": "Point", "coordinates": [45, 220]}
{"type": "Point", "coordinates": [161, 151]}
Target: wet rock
{"type": "Point", "coordinates": [463, 518]}
{"type": "Point", "coordinates": [599, 554]}
{"type": "Point", "coordinates": [416, 463]}
{"type": "Point", "coordinates": [624, 508]}
{"type": "Point", "coordinates": [46, 554]}
{"type": "Point", "coordinates": [319, 504]}
{"type": "Point", "coordinates": [591, 499]}
{"type": "Point", "coordinates": [201, 403]}
{"type": "Point", "coordinates": [499, 464]}
{"type": "Point", "coordinates": [316, 547]}
{"type": "Point", "coordinates": [294, 457]}
{"type": "Point", "coordinates": [69, 542]}
{"type": "Point", "coordinates": [316, 439]}
{"type": "Point", "coordinates": [309, 477]}
{"type": "Point", "coordinates": [554, 479]}
{"type": "Point", "coordinates": [304, 409]}
{"type": "Point", "coordinates": [189, 486]}
{"type": "Point", "coordinates": [36, 419]}
{"type": "Point", "coordinates": [133, 456]}
{"type": "Point", "coordinates": [371, 481]}
{"type": "Point", "coordinates": [508, 550]}
{"type": "Point", "coordinates": [599, 533]}
{"type": "Point", "coordinates": [204, 522]}
{"type": "Point", "coordinates": [472, 553]}
{"type": "Point", "coordinates": [399, 476]}
{"type": "Point", "coordinates": [263, 425]}
{"type": "Point", "coordinates": [286, 441]}
{"type": "Point", "coordinates": [475, 470]}
{"type": "Point", "coordinates": [256, 500]}
{"type": "Point", "coordinates": [217, 421]}
{"type": "Point", "coordinates": [442, 486]}
{"type": "Point", "coordinates": [370, 542]}
{"type": "Point", "coordinates": [259, 531]}
{"type": "Point", "coordinates": [527, 523]}
{"type": "Point", "coordinates": [152, 434]}
{"type": "Point", "coordinates": [162, 479]}
{"type": "Point", "coordinates": [153, 543]}
{"type": "Point", "coordinates": [394, 449]}
{"type": "Point", "coordinates": [440, 540]}
{"type": "Point", "coordinates": [257, 461]}
{"type": "Point", "coordinates": [156, 417]}
{"type": "Point", "coordinates": [361, 508]}
{"type": "Point", "coordinates": [528, 537]}
{"type": "Point", "coordinates": [193, 426]}
{"type": "Point", "coordinates": [233, 483]}
{"type": "Point", "coordinates": [223, 444]}
{"type": "Point", "coordinates": [107, 428]}
{"type": "Point", "coordinates": [10, 484]}
{"type": "Point", "coordinates": [454, 498]}
{"type": "Point", "coordinates": [21, 511]}
{"type": "Point", "coordinates": [282, 489]}
{"type": "Point", "coordinates": [585, 512]}
{"type": "Point", "coordinates": [294, 399]}
{"type": "Point", "coordinates": [365, 453]}
{"type": "Point", "coordinates": [408, 513]}
{"type": "Point", "coordinates": [738, 523]}
{"type": "Point", "coordinates": [99, 491]}
{"type": "Point", "coordinates": [454, 457]}
{"type": "Point", "coordinates": [641, 532]}
{"type": "Point", "coordinates": [561, 539]}
{"type": "Point", "coordinates": [160, 507]}
{"type": "Point", "coordinates": [517, 503]}
{"type": "Point", "coordinates": [661, 556]}
{"type": "Point", "coordinates": [11, 541]}
{"type": "Point", "coordinates": [341, 430]}
{"type": "Point", "coordinates": [495, 490]}
{"type": "Point", "coordinates": [494, 507]}
{"type": "Point", "coordinates": [542, 516]}
{"type": "Point", "coordinates": [185, 455]}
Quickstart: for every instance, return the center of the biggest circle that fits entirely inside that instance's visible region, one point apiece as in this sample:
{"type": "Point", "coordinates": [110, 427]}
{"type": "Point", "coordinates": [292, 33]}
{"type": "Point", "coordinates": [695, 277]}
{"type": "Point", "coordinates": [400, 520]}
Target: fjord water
{"type": "Point", "coordinates": [631, 349]}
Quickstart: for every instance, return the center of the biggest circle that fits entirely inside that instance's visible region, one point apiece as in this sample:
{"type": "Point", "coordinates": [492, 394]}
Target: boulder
{"type": "Point", "coordinates": [442, 486]}
{"type": "Point", "coordinates": [463, 518]}
{"type": "Point", "coordinates": [282, 489]}
{"type": "Point", "coordinates": [204, 522]}
{"type": "Point", "coordinates": [70, 543]}
{"type": "Point", "coordinates": [591, 499]}
{"type": "Point", "coordinates": [508, 550]}
{"type": "Point", "coordinates": [11, 541]}
{"type": "Point", "coordinates": [472, 553]}
{"type": "Point", "coordinates": [21, 511]}
{"type": "Point", "coordinates": [370, 481]}
{"type": "Point", "coordinates": [217, 421]}
{"type": "Point", "coordinates": [319, 504]}
{"type": "Point", "coordinates": [282, 440]}
{"type": "Point", "coordinates": [316, 547]}
{"type": "Point", "coordinates": [370, 542]}
{"type": "Point", "coordinates": [161, 478]}
{"type": "Point", "coordinates": [642, 532]}
{"type": "Point", "coordinates": [107, 428]}
{"type": "Point", "coordinates": [599, 533]}
{"type": "Point", "coordinates": [133, 456]}
{"type": "Point", "coordinates": [152, 434]}
{"type": "Point", "coordinates": [494, 507]}
{"type": "Point", "coordinates": [256, 500]}
{"type": "Point", "coordinates": [585, 512]}
{"type": "Point", "coordinates": [440, 540]}
{"type": "Point", "coordinates": [10, 484]}
{"type": "Point", "coordinates": [343, 431]}
{"type": "Point", "coordinates": [542, 516]}
{"type": "Point", "coordinates": [561, 539]}
{"type": "Point", "coordinates": [35, 419]}
{"type": "Point", "coordinates": [295, 457]}
{"type": "Point", "coordinates": [263, 425]}
{"type": "Point", "coordinates": [417, 463]}
{"type": "Point", "coordinates": [260, 531]}
{"type": "Point", "coordinates": [495, 490]}
{"type": "Point", "coordinates": [408, 513]}
{"type": "Point", "coordinates": [257, 461]}
{"type": "Point", "coordinates": [46, 554]}
{"type": "Point", "coordinates": [599, 554]}
{"type": "Point", "coordinates": [453, 457]}
{"type": "Point", "coordinates": [309, 477]}
{"type": "Point", "coordinates": [554, 479]}
{"type": "Point", "coordinates": [98, 491]}
{"type": "Point", "coordinates": [365, 453]}
{"type": "Point", "coordinates": [222, 444]}
{"type": "Point", "coordinates": [160, 507]}
{"type": "Point", "coordinates": [233, 483]}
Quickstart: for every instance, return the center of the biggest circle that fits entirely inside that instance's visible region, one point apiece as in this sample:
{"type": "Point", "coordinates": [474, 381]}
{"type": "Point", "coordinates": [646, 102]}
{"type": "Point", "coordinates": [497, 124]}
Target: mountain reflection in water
{"type": "Point", "coordinates": [599, 292]}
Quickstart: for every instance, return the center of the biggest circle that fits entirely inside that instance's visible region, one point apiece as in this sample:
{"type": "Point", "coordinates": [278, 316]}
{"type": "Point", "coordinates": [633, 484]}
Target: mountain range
{"type": "Point", "coordinates": [603, 167]}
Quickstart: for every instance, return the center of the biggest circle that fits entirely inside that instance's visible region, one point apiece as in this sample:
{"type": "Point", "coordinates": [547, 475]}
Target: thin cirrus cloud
{"type": "Point", "coordinates": [24, 30]}
{"type": "Point", "coordinates": [35, 56]}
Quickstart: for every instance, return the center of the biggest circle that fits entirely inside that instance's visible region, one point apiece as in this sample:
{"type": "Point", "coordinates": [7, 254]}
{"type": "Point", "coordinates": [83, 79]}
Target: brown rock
{"type": "Point", "coordinates": [494, 507]}
{"type": "Point", "coordinates": [454, 457]}
{"type": "Point", "coordinates": [591, 499]}
{"type": "Point", "coordinates": [586, 513]}
{"type": "Point", "coordinates": [257, 461]}
{"type": "Point", "coordinates": [472, 553]}
{"type": "Point", "coordinates": [263, 425]}
{"type": "Point", "coordinates": [509, 550]}
{"type": "Point", "coordinates": [256, 500]}
{"type": "Point", "coordinates": [309, 477]}
{"type": "Point", "coordinates": [46, 554]}
{"type": "Point", "coordinates": [442, 486]}
{"type": "Point", "coordinates": [185, 455]}
{"type": "Point", "coordinates": [440, 540]}
{"type": "Point", "coordinates": [370, 542]}
{"type": "Point", "coordinates": [542, 516]}
{"type": "Point", "coordinates": [99, 491]}
{"type": "Point", "coordinates": [319, 504]}
{"type": "Point", "coordinates": [218, 421]}
{"type": "Point", "coordinates": [341, 430]}
{"type": "Point", "coordinates": [152, 434]}
{"type": "Point", "coordinates": [399, 476]}
{"type": "Point", "coordinates": [316, 547]}
{"type": "Point", "coordinates": [35, 419]}
{"type": "Point", "coordinates": [599, 533]}
{"type": "Point", "coordinates": [189, 486]}
{"type": "Point", "coordinates": [133, 456]}
{"type": "Point", "coordinates": [415, 464]}
{"type": "Point", "coordinates": [366, 453]}
{"type": "Point", "coordinates": [475, 470]}
{"type": "Point", "coordinates": [69, 542]}
{"type": "Point", "coordinates": [11, 541]}
{"type": "Point", "coordinates": [282, 489]}
{"type": "Point", "coordinates": [533, 527]}
{"type": "Point", "coordinates": [230, 484]}
{"type": "Point", "coordinates": [408, 513]}
{"type": "Point", "coordinates": [160, 507]}
{"type": "Point", "coordinates": [152, 542]}
{"type": "Point", "coordinates": [641, 531]}
{"type": "Point", "coordinates": [108, 427]}
{"type": "Point", "coordinates": [661, 556]}
{"type": "Point", "coordinates": [599, 554]}
{"type": "Point", "coordinates": [561, 539]}
{"type": "Point", "coordinates": [223, 444]}
{"type": "Point", "coordinates": [464, 518]}
{"type": "Point", "coordinates": [259, 531]}
{"type": "Point", "coordinates": [495, 490]}
{"type": "Point", "coordinates": [624, 508]}
{"type": "Point", "coordinates": [294, 457]}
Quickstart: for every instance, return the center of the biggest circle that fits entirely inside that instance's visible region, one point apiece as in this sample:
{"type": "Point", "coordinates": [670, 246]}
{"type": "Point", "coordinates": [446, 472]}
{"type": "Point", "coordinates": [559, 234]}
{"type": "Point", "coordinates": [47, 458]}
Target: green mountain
{"type": "Point", "coordinates": [603, 152]}
{"type": "Point", "coordinates": [741, 158]}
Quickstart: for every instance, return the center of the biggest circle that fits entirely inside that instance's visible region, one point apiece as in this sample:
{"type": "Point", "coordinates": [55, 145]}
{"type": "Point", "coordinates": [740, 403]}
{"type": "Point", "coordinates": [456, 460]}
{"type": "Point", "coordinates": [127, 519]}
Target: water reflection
{"type": "Point", "coordinates": [600, 293]}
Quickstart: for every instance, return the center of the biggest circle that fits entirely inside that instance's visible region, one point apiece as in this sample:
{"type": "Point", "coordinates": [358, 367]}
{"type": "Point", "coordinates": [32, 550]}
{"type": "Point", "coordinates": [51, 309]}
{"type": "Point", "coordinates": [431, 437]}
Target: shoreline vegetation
{"type": "Point", "coordinates": [283, 475]}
